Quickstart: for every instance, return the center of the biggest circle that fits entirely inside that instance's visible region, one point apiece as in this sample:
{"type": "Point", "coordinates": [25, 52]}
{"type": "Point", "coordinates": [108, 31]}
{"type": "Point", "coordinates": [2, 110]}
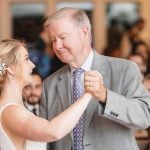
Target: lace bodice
{"type": "Point", "coordinates": [6, 143]}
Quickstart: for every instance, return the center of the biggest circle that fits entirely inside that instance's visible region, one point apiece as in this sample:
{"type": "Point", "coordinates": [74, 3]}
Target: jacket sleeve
{"type": "Point", "coordinates": [131, 107]}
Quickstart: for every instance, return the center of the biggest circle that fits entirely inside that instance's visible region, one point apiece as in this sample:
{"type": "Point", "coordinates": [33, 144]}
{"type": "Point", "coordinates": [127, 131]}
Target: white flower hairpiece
{"type": "Point", "coordinates": [2, 68]}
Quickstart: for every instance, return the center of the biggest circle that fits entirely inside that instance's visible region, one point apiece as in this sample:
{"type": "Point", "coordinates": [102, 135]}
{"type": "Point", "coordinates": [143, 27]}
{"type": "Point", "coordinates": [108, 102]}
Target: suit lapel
{"type": "Point", "coordinates": [64, 89]}
{"type": "Point", "coordinates": [98, 64]}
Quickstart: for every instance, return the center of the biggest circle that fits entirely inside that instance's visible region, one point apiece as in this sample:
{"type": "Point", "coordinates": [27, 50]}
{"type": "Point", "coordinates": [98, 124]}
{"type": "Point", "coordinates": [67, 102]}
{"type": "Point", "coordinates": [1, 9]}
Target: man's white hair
{"type": "Point", "coordinates": [78, 17]}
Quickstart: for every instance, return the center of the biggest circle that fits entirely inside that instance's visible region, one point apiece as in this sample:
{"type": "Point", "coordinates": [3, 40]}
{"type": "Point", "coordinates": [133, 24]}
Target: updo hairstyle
{"type": "Point", "coordinates": [9, 55]}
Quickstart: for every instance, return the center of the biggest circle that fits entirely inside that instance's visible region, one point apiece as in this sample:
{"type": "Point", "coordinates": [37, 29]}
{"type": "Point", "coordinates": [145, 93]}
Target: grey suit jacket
{"type": "Point", "coordinates": [109, 126]}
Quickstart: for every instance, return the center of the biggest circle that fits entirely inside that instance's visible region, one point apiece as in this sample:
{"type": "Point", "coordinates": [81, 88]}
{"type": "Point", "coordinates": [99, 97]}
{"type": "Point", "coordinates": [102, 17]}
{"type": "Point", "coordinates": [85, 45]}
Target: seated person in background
{"type": "Point", "coordinates": [32, 93]}
{"type": "Point", "coordinates": [146, 82]}
{"type": "Point", "coordinates": [42, 55]}
{"type": "Point", "coordinates": [139, 60]}
{"type": "Point", "coordinates": [143, 49]}
{"type": "Point", "coordinates": [18, 126]}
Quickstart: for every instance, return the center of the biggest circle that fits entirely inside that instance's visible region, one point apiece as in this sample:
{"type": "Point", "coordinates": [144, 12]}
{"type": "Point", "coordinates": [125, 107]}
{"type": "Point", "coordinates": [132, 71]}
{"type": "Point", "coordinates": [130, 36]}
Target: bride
{"type": "Point", "coordinates": [19, 127]}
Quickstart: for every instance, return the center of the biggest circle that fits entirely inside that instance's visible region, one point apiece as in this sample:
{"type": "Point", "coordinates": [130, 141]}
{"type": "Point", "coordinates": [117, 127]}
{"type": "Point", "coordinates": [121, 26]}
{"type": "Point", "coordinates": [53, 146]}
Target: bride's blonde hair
{"type": "Point", "coordinates": [9, 55]}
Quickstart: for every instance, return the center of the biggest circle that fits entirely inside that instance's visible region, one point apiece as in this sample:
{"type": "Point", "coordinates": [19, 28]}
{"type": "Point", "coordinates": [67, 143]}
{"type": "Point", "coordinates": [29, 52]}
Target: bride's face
{"type": "Point", "coordinates": [25, 67]}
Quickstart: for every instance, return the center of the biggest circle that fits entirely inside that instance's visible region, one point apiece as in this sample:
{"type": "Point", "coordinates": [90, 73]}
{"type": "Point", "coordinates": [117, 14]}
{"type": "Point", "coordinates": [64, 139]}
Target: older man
{"type": "Point", "coordinates": [121, 102]}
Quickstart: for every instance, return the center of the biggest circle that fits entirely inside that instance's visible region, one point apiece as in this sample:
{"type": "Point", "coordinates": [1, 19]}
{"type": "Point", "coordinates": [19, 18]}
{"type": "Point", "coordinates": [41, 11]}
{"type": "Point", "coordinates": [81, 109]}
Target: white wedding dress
{"type": "Point", "coordinates": [6, 143]}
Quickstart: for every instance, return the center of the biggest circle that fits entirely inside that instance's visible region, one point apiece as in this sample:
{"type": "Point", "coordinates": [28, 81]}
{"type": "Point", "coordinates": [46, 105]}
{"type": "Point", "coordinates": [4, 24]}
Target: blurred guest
{"type": "Point", "coordinates": [143, 49]}
{"type": "Point", "coordinates": [146, 82]}
{"type": "Point", "coordinates": [131, 37]}
{"type": "Point", "coordinates": [32, 93]}
{"type": "Point", "coordinates": [139, 60]}
{"type": "Point", "coordinates": [42, 55]}
{"type": "Point", "coordinates": [114, 35]}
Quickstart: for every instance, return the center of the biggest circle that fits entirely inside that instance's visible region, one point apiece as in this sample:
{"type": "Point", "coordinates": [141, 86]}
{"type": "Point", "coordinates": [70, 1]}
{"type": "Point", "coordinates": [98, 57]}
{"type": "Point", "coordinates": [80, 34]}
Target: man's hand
{"type": "Point", "coordinates": [93, 83]}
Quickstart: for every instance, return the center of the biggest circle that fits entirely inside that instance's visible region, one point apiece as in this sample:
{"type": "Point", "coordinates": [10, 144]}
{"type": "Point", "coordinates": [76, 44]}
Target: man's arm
{"type": "Point", "coordinates": [130, 107]}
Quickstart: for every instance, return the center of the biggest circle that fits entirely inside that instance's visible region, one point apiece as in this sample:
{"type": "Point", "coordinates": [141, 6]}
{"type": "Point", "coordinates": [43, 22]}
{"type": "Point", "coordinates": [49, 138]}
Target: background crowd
{"type": "Point", "coordinates": [123, 41]}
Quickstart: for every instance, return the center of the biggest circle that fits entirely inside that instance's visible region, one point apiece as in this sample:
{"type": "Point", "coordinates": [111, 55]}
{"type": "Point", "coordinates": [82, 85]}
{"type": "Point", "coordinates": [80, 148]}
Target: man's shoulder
{"type": "Point", "coordinates": [120, 65]}
{"type": "Point", "coordinates": [112, 61]}
{"type": "Point", "coordinates": [115, 60]}
{"type": "Point", "coordinates": [114, 64]}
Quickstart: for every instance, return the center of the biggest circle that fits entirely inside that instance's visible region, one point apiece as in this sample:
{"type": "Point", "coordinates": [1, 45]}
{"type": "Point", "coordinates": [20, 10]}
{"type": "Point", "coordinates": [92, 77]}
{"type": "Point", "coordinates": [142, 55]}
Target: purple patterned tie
{"type": "Point", "coordinates": [78, 131]}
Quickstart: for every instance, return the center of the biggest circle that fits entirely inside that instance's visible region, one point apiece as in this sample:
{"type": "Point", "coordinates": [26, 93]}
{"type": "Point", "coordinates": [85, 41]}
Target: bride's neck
{"type": "Point", "coordinates": [12, 91]}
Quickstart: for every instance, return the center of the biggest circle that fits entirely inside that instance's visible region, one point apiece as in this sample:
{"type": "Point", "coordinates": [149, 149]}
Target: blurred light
{"type": "Point", "coordinates": [31, 9]}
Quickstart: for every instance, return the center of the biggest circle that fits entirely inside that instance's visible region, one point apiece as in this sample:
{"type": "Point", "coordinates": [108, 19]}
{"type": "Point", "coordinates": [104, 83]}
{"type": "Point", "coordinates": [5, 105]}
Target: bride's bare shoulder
{"type": "Point", "coordinates": [13, 114]}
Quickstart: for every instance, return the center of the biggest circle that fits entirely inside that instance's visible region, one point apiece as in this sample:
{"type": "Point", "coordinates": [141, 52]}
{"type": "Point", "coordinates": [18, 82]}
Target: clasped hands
{"type": "Point", "coordinates": [93, 83]}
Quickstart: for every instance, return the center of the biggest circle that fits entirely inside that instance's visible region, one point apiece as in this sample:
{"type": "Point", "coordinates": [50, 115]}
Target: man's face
{"type": "Point", "coordinates": [33, 91]}
{"type": "Point", "coordinates": [69, 42]}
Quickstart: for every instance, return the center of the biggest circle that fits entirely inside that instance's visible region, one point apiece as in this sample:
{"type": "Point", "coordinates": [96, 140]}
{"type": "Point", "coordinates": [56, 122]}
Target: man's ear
{"type": "Point", "coordinates": [84, 30]}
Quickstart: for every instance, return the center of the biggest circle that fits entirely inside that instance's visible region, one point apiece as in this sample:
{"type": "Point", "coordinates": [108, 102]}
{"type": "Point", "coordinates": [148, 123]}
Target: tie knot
{"type": "Point", "coordinates": [78, 72]}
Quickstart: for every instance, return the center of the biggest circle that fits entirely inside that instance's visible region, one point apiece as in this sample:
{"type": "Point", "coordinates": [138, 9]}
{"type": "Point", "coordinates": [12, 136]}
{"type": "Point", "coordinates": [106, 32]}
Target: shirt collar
{"type": "Point", "coordinates": [87, 65]}
{"type": "Point", "coordinates": [30, 107]}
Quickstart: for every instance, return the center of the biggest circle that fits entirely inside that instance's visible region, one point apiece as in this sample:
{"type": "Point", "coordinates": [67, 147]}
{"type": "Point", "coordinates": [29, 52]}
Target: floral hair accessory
{"type": "Point", "coordinates": [2, 68]}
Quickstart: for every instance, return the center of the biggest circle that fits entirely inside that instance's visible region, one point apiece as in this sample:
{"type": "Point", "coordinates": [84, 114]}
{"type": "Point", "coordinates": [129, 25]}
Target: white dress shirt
{"type": "Point", "coordinates": [86, 66]}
